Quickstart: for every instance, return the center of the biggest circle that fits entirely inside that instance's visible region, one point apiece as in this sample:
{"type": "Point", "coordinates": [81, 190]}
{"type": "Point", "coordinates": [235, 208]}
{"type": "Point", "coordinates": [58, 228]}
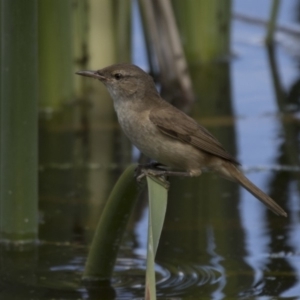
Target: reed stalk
{"type": "Point", "coordinates": [110, 229]}
{"type": "Point", "coordinates": [272, 21]}
{"type": "Point", "coordinates": [55, 53]}
{"type": "Point", "coordinates": [206, 28]}
{"type": "Point", "coordinates": [158, 196]}
{"type": "Point", "coordinates": [19, 121]}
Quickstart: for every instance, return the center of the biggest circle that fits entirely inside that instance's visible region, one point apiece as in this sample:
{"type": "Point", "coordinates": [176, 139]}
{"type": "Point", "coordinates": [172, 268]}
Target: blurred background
{"type": "Point", "coordinates": [231, 65]}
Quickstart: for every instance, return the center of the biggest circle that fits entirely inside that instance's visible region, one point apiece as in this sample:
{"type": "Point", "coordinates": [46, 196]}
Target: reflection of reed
{"type": "Point", "coordinates": [59, 196]}
{"type": "Point", "coordinates": [280, 182]}
{"type": "Point", "coordinates": [289, 149]}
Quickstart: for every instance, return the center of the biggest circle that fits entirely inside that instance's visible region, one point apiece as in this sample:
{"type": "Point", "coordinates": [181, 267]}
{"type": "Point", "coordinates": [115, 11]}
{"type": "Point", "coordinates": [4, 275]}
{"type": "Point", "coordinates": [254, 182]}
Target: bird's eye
{"type": "Point", "coordinates": [118, 76]}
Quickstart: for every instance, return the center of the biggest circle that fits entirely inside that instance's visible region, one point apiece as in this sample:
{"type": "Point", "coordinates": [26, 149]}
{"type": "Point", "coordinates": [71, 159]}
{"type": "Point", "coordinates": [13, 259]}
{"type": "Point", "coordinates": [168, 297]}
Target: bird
{"type": "Point", "coordinates": [166, 134]}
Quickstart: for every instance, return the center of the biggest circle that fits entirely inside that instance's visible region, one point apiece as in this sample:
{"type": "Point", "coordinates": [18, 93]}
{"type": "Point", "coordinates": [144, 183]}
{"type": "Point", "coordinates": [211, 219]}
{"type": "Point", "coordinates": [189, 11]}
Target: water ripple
{"type": "Point", "coordinates": [173, 275]}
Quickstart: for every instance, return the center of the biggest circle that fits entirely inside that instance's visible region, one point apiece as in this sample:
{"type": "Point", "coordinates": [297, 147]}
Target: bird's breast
{"type": "Point", "coordinates": [137, 126]}
{"type": "Point", "coordinates": [153, 143]}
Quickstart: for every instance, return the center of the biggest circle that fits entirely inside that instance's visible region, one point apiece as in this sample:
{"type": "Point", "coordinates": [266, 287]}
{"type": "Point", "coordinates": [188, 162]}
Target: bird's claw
{"type": "Point", "coordinates": [149, 170]}
{"type": "Point", "coordinates": [141, 169]}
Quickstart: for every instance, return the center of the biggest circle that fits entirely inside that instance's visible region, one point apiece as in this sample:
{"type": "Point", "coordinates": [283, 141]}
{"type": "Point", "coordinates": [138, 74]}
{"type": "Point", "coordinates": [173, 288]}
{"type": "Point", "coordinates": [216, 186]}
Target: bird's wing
{"type": "Point", "coordinates": [176, 124]}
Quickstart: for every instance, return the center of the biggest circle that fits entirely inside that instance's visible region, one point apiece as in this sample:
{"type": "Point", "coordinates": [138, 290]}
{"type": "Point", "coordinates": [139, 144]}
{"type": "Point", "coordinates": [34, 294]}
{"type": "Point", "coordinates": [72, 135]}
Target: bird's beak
{"type": "Point", "coordinates": [93, 74]}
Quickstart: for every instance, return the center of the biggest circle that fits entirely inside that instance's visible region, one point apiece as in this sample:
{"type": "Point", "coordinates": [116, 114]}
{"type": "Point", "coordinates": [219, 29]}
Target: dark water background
{"type": "Point", "coordinates": [218, 241]}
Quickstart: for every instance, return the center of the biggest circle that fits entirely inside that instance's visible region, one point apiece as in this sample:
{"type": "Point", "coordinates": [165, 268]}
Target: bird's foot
{"type": "Point", "coordinates": [154, 170]}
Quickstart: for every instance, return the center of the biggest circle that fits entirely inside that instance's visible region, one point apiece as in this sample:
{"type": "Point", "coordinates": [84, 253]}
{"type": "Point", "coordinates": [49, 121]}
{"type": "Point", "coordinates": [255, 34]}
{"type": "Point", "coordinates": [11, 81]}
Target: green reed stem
{"type": "Point", "coordinates": [19, 121]}
{"type": "Point", "coordinates": [158, 196]}
{"type": "Point", "coordinates": [110, 229]}
{"type": "Point", "coordinates": [55, 53]}
{"type": "Point", "coordinates": [272, 21]}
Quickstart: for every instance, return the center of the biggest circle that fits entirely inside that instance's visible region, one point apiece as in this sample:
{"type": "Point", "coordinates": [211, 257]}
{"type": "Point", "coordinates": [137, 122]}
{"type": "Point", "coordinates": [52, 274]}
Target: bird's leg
{"type": "Point", "coordinates": [149, 166]}
{"type": "Point", "coordinates": [163, 173]}
{"type": "Point", "coordinates": [155, 174]}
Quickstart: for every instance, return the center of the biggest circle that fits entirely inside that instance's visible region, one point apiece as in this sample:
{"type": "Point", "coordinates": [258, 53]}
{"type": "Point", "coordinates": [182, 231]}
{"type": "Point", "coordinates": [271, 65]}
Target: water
{"type": "Point", "coordinates": [218, 242]}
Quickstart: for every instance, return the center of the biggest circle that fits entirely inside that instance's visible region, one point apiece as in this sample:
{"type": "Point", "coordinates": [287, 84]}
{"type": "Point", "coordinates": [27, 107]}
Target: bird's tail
{"type": "Point", "coordinates": [230, 171]}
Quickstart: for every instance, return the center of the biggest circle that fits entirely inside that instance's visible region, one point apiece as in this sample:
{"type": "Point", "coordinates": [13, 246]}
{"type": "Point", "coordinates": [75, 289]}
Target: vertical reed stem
{"type": "Point", "coordinates": [206, 28]}
{"type": "Point", "coordinates": [55, 53]}
{"type": "Point", "coordinates": [19, 157]}
{"type": "Point", "coordinates": [272, 21]}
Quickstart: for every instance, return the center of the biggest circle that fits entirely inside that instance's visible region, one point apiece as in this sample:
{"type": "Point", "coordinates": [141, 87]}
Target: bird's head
{"type": "Point", "coordinates": [123, 81]}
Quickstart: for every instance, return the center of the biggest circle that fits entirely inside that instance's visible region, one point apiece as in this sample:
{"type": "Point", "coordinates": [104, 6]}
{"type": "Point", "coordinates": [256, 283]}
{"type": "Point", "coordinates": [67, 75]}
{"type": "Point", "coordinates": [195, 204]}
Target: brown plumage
{"type": "Point", "coordinates": [166, 134]}
{"type": "Point", "coordinates": [178, 125]}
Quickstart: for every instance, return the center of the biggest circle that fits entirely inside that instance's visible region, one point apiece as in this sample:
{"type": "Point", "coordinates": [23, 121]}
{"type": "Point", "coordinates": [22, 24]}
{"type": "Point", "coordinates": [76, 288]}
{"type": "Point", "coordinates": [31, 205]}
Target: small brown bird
{"type": "Point", "coordinates": [166, 134]}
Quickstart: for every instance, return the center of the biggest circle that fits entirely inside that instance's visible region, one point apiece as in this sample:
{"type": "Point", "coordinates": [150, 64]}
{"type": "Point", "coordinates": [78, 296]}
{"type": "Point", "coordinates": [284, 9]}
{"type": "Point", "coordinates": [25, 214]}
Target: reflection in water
{"type": "Point", "coordinates": [216, 261]}
{"type": "Point", "coordinates": [280, 183]}
{"type": "Point", "coordinates": [257, 240]}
